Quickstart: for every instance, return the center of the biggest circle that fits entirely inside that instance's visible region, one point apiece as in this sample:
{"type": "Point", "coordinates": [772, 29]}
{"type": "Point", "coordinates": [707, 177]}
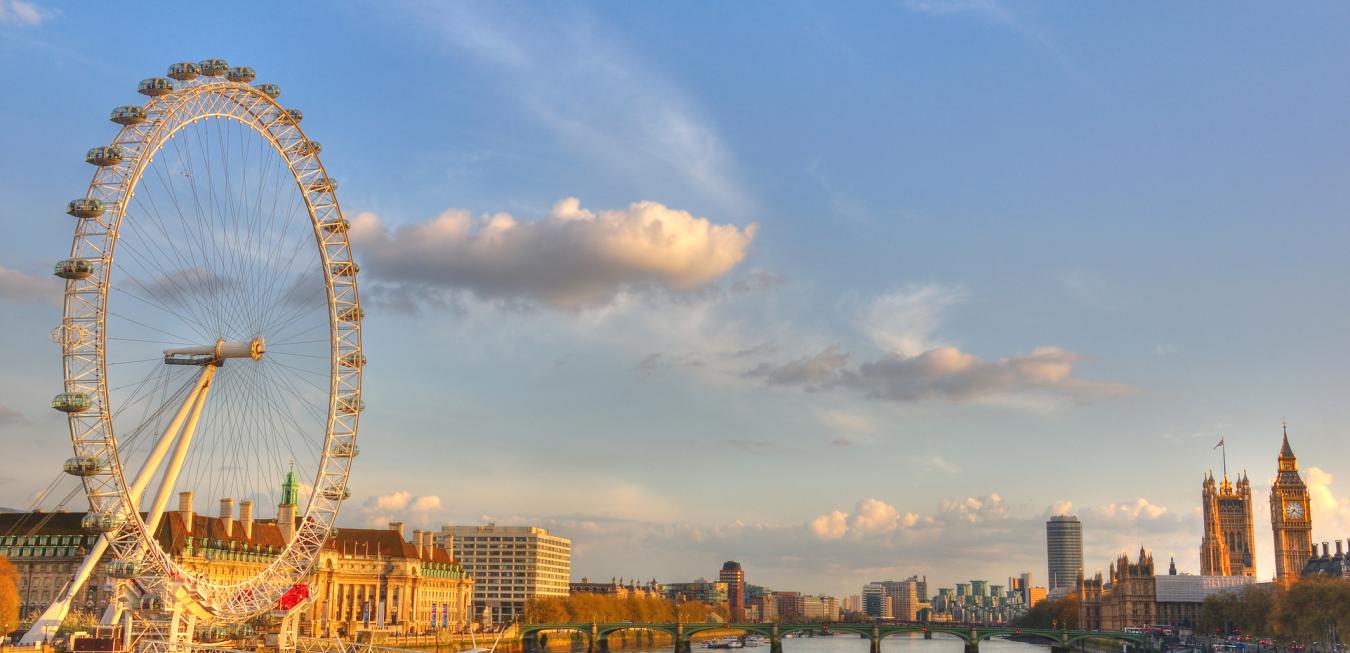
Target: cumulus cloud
{"type": "Point", "coordinates": [870, 517]}
{"type": "Point", "coordinates": [400, 505]}
{"type": "Point", "coordinates": [1331, 514]}
{"type": "Point", "coordinates": [19, 286]}
{"type": "Point", "coordinates": [1061, 507]}
{"type": "Point", "coordinates": [1138, 510]}
{"type": "Point", "coordinates": [571, 259]}
{"type": "Point", "coordinates": [18, 13]}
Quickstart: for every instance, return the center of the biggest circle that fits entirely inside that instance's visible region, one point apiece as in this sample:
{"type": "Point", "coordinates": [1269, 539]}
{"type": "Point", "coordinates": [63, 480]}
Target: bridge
{"type": "Point", "coordinates": [535, 636]}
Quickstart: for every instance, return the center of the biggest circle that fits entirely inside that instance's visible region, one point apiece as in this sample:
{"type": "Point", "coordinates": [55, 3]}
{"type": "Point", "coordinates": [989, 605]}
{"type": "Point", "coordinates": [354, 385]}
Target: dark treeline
{"type": "Point", "coordinates": [600, 608]}
{"type": "Point", "coordinates": [1306, 611]}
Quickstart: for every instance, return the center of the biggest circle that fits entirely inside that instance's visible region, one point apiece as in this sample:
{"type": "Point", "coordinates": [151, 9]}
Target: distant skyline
{"type": "Point", "coordinates": [927, 273]}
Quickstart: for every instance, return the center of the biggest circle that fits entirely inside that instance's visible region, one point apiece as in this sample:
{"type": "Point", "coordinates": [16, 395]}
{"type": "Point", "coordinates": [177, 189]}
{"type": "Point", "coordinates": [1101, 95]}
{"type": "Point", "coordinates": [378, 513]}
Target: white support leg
{"type": "Point", "coordinates": [179, 454]}
{"type": "Point", "coordinates": [56, 613]}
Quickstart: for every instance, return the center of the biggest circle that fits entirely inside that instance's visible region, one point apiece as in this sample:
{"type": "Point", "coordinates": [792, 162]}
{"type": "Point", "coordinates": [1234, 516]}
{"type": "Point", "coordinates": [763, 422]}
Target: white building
{"type": "Point", "coordinates": [510, 565]}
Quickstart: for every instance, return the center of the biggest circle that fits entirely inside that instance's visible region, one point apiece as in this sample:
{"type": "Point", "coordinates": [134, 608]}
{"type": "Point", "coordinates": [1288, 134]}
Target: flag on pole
{"type": "Point", "coordinates": [1220, 444]}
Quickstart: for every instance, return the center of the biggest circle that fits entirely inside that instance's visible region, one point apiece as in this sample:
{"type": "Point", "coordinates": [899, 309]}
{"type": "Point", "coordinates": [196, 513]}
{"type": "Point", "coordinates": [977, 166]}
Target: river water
{"type": "Point", "coordinates": [851, 644]}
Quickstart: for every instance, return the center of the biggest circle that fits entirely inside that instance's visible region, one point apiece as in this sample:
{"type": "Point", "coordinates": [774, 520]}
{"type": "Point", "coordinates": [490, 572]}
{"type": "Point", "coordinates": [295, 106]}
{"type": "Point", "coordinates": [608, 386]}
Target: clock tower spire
{"type": "Point", "coordinates": [1290, 515]}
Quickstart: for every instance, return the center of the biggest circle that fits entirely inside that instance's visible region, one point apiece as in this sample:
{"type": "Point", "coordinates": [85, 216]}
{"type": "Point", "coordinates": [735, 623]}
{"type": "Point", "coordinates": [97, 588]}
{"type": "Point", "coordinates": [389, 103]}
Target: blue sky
{"type": "Point", "coordinates": [942, 266]}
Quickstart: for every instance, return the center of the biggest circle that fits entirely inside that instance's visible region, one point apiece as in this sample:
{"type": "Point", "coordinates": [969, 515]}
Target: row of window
{"type": "Point", "coordinates": [42, 552]}
{"type": "Point", "coordinates": [48, 540]}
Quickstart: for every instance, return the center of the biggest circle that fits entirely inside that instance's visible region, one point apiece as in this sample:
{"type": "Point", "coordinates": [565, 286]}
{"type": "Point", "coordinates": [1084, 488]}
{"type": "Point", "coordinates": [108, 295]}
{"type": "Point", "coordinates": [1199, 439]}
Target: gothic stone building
{"type": "Point", "coordinates": [1128, 600]}
{"type": "Point", "coordinates": [1290, 517]}
{"type": "Point", "coordinates": [1228, 547]}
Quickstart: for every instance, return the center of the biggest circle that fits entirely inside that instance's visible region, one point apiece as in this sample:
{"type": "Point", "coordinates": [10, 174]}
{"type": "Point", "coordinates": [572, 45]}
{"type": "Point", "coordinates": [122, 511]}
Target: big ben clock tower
{"type": "Point", "coordinates": [1290, 516]}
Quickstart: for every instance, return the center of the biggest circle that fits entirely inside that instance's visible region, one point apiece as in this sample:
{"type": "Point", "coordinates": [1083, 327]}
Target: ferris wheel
{"type": "Point", "coordinates": [211, 340]}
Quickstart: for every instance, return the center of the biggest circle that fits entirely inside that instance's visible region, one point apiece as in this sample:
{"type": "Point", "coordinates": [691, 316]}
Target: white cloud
{"type": "Point", "coordinates": [830, 526]}
{"type": "Point", "coordinates": [572, 259]}
{"type": "Point", "coordinates": [426, 504]}
{"type": "Point", "coordinates": [870, 517]}
{"type": "Point", "coordinates": [392, 501]}
{"type": "Point", "coordinates": [1061, 507]}
{"type": "Point", "coordinates": [18, 13]}
{"type": "Point", "coordinates": [1138, 510]}
{"type": "Point", "coordinates": [1331, 514]}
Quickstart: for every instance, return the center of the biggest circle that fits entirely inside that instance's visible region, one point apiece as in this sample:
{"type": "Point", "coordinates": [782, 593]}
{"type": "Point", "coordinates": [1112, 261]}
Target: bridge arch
{"type": "Point", "coordinates": [1138, 641]}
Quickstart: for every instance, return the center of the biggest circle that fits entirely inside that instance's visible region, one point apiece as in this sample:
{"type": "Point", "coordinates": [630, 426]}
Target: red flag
{"type": "Point", "coordinates": [1220, 444]}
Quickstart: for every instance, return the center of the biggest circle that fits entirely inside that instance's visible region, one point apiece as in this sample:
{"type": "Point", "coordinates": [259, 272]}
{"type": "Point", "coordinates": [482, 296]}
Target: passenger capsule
{"type": "Point", "coordinates": [345, 450]}
{"type": "Point", "coordinates": [297, 115]}
{"type": "Point", "coordinates": [213, 67]}
{"type": "Point", "coordinates": [128, 115]}
{"type": "Point", "coordinates": [337, 494]}
{"type": "Point", "coordinates": [85, 208]}
{"type": "Point", "coordinates": [103, 523]}
{"type": "Point", "coordinates": [337, 226]}
{"type": "Point", "coordinates": [184, 71]}
{"type": "Point", "coordinates": [155, 86]}
{"type": "Point", "coordinates": [323, 185]}
{"type": "Point", "coordinates": [74, 268]}
{"type": "Point", "coordinates": [350, 405]}
{"type": "Point", "coordinates": [103, 156]}
{"type": "Point", "coordinates": [354, 359]}
{"type": "Point", "coordinates": [353, 314]}
{"type": "Point", "coordinates": [307, 147]}
{"type": "Point", "coordinates": [82, 466]}
{"type": "Point", "coordinates": [344, 268]}
{"type": "Point", "coordinates": [241, 74]}
{"type": "Point", "coordinates": [122, 569]}
{"type": "Point", "coordinates": [270, 90]}
{"type": "Point", "coordinates": [72, 402]}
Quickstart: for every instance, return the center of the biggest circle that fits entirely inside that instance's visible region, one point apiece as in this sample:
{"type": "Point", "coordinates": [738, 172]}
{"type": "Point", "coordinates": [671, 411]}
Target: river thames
{"type": "Point", "coordinates": [852, 644]}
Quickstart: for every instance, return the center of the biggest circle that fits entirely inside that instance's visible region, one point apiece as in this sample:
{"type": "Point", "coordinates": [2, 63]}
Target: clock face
{"type": "Point", "coordinates": [1293, 510]}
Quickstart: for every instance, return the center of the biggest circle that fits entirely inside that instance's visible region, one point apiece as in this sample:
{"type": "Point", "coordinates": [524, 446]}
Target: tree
{"type": "Point", "coordinates": [9, 594]}
{"type": "Point", "coordinates": [1314, 609]}
{"type": "Point", "coordinates": [1061, 612]}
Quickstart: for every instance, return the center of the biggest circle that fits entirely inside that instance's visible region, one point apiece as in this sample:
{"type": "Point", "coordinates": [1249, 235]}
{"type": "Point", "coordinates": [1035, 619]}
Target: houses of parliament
{"type": "Point", "coordinates": [1228, 547]}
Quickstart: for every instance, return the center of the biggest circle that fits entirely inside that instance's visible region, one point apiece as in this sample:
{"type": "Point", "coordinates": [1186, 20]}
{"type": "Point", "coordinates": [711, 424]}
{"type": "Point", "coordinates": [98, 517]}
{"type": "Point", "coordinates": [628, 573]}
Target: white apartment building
{"type": "Point", "coordinates": [509, 565]}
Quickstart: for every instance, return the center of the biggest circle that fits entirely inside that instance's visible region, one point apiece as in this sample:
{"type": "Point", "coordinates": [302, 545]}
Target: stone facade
{"type": "Point", "coordinates": [365, 579]}
{"type": "Point", "coordinates": [1228, 547]}
{"type": "Point", "coordinates": [1290, 516]}
{"type": "Point", "coordinates": [1129, 599]}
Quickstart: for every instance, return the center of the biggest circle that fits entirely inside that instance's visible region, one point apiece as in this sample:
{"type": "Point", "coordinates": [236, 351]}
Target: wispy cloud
{"type": "Point", "coordinates": [995, 13]}
{"type": "Point", "coordinates": [18, 13]}
{"type": "Point", "coordinates": [577, 79]}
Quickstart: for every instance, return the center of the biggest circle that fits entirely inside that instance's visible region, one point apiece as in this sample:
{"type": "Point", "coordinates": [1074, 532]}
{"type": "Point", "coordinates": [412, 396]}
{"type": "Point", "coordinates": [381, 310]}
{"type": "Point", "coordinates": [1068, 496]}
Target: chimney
{"type": "Point", "coordinates": [397, 527]}
{"type": "Point", "coordinates": [417, 540]}
{"type": "Point", "coordinates": [1326, 553]}
{"type": "Point", "coordinates": [185, 507]}
{"type": "Point", "coordinates": [1339, 552]}
{"type": "Point", "coordinates": [450, 545]}
{"type": "Point", "coordinates": [227, 515]}
{"type": "Point", "coordinates": [246, 517]}
{"type": "Point", "coordinates": [429, 542]}
{"type": "Point", "coordinates": [286, 521]}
